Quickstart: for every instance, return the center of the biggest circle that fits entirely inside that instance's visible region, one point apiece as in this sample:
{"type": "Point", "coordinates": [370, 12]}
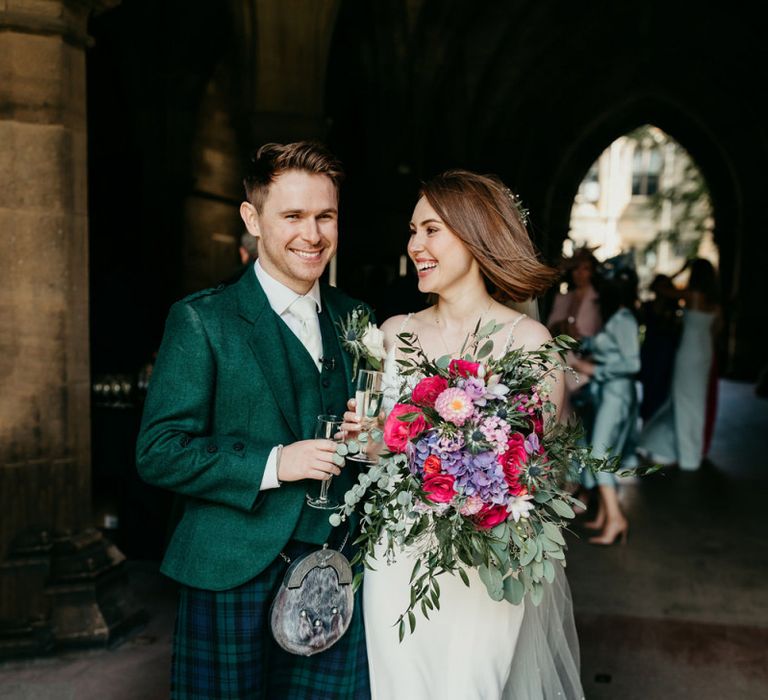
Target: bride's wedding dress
{"type": "Point", "coordinates": [473, 647]}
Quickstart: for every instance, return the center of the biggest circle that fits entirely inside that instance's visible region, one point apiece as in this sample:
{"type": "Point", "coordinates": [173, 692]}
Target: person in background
{"type": "Point", "coordinates": [576, 313]}
{"type": "Point", "coordinates": [249, 248]}
{"type": "Point", "coordinates": [661, 317]}
{"type": "Point", "coordinates": [613, 360]}
{"type": "Point", "coordinates": [676, 432]}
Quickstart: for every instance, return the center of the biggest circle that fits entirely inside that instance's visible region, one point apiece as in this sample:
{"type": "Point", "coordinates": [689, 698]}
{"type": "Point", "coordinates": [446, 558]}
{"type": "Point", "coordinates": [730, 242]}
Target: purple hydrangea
{"type": "Point", "coordinates": [447, 449]}
{"type": "Point", "coordinates": [480, 475]}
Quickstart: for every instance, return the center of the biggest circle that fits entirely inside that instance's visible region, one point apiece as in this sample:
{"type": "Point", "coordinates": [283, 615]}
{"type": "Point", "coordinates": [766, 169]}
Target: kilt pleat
{"type": "Point", "coordinates": [223, 648]}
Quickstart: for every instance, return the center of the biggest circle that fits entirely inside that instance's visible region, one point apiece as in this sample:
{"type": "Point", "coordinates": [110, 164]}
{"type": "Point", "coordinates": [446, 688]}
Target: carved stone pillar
{"type": "Point", "coordinates": [45, 494]}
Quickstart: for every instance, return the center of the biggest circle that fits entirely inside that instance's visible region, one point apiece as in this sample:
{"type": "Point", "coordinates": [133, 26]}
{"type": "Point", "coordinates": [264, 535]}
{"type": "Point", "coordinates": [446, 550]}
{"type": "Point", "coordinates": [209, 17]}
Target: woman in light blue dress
{"type": "Point", "coordinates": [675, 433]}
{"type": "Point", "coordinates": [614, 360]}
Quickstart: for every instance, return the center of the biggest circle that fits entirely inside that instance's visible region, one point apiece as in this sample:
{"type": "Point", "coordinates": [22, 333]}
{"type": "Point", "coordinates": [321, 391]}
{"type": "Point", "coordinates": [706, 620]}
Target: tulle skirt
{"type": "Point", "coordinates": [474, 647]}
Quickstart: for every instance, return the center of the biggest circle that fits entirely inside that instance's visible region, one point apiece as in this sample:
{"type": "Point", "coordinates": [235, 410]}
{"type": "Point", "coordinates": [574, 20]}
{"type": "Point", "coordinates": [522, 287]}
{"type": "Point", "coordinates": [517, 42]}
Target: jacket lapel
{"type": "Point", "coordinates": [266, 342]}
{"type": "Point", "coordinates": [334, 314]}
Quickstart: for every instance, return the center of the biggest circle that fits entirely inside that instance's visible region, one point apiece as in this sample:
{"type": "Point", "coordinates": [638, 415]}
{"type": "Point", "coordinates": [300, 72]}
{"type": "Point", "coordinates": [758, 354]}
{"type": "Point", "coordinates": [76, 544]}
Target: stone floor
{"type": "Point", "coordinates": [681, 611]}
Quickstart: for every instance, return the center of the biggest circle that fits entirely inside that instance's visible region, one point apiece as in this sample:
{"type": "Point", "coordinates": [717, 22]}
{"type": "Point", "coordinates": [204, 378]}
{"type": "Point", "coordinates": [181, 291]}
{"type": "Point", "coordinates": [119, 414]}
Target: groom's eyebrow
{"type": "Point", "coordinates": [285, 212]}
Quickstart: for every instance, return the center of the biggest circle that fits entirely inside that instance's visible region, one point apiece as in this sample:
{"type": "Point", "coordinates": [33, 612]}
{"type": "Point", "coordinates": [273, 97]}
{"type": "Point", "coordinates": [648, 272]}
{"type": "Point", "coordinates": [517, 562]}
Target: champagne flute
{"type": "Point", "coordinates": [327, 427]}
{"type": "Point", "coordinates": [369, 394]}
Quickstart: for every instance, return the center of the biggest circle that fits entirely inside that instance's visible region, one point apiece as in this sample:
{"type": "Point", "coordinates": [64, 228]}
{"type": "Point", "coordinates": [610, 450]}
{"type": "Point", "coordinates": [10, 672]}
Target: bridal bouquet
{"type": "Point", "coordinates": [474, 472]}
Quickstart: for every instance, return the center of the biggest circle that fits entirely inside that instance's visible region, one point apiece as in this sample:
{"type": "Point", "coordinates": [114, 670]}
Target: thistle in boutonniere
{"type": "Point", "coordinates": [362, 339]}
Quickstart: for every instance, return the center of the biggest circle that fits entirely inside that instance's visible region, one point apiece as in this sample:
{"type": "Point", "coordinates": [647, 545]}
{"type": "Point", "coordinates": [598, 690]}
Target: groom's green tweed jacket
{"type": "Point", "coordinates": [231, 381]}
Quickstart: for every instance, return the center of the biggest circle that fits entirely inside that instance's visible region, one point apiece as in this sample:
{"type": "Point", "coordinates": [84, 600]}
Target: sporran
{"type": "Point", "coordinates": [314, 605]}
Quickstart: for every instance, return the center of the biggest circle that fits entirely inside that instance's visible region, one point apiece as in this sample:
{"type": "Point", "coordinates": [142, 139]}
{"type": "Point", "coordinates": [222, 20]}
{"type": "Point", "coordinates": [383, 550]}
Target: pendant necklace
{"type": "Point", "coordinates": [440, 330]}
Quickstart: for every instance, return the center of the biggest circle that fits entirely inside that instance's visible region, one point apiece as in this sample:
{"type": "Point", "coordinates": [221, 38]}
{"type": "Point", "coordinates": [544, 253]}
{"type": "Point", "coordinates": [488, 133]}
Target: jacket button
{"type": "Point", "coordinates": [326, 383]}
{"type": "Point", "coordinates": [238, 447]}
{"type": "Point", "coordinates": [211, 449]}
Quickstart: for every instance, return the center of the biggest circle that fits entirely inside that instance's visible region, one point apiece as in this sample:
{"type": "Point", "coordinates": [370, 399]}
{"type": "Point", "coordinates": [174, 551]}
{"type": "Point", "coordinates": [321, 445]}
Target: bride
{"type": "Point", "coordinates": [471, 251]}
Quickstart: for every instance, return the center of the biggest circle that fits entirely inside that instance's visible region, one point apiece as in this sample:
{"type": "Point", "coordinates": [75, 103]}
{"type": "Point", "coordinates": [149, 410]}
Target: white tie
{"type": "Point", "coordinates": [305, 310]}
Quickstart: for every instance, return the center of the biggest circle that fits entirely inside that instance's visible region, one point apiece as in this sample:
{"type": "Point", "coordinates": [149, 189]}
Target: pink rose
{"type": "Point", "coordinates": [397, 432]}
{"type": "Point", "coordinates": [428, 389]}
{"type": "Point", "coordinates": [463, 368]}
{"type": "Point", "coordinates": [432, 465]}
{"type": "Point", "coordinates": [513, 461]}
{"type": "Point", "coordinates": [439, 488]}
{"type": "Point", "coordinates": [490, 516]}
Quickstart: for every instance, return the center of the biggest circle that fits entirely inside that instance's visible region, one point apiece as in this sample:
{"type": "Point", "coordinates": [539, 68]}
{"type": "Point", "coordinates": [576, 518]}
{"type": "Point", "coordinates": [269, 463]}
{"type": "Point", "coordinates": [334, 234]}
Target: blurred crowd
{"type": "Point", "coordinates": [644, 376]}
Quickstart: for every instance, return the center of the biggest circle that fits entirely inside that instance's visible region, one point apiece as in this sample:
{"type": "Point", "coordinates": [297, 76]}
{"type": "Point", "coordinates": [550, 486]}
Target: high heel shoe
{"type": "Point", "coordinates": [596, 524]}
{"type": "Point", "coordinates": [611, 535]}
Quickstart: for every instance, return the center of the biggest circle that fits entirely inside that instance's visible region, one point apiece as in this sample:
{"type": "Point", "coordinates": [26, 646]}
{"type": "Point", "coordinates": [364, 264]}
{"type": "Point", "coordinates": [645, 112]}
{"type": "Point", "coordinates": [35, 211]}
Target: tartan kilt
{"type": "Point", "coordinates": [223, 647]}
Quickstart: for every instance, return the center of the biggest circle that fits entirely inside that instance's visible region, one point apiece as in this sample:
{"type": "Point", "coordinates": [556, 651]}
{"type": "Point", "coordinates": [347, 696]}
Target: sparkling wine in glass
{"type": "Point", "coordinates": [369, 394]}
{"type": "Point", "coordinates": [328, 427]}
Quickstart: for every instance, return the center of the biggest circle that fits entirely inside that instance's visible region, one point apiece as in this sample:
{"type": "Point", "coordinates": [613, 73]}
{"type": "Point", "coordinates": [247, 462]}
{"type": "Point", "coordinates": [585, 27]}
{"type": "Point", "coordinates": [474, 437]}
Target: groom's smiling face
{"type": "Point", "coordinates": [297, 228]}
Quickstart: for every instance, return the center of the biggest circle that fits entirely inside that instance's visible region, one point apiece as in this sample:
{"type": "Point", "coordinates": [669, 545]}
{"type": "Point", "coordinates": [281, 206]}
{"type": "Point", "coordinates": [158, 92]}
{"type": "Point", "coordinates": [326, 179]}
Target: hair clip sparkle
{"type": "Point", "coordinates": [517, 203]}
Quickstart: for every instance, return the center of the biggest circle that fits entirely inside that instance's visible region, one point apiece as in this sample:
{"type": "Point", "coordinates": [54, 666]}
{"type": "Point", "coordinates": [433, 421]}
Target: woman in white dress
{"type": "Point", "coordinates": [675, 433]}
{"type": "Point", "coordinates": [471, 249]}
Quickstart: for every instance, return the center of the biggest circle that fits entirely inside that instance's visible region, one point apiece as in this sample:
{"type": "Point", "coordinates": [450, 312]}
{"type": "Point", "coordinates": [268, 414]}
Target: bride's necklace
{"type": "Point", "coordinates": [440, 325]}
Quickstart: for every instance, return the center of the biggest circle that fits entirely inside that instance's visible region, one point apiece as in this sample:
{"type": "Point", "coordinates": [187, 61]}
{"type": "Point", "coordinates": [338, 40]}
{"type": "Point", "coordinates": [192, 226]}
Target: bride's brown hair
{"type": "Point", "coordinates": [485, 215]}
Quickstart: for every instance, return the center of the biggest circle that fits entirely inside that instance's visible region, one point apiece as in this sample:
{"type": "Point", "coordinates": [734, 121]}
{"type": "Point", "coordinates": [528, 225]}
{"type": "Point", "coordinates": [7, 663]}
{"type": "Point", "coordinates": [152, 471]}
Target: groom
{"type": "Point", "coordinates": [241, 376]}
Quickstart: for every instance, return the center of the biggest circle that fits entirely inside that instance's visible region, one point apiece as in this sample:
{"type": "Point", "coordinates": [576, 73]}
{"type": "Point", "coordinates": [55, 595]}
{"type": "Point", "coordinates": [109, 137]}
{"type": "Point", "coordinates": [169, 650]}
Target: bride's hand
{"type": "Point", "coordinates": [351, 421]}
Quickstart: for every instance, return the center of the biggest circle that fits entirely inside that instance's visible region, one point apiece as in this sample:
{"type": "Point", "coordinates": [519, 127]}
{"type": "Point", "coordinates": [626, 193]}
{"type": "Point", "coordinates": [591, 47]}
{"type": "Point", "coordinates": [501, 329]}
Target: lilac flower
{"type": "Point", "coordinates": [532, 444]}
{"type": "Point", "coordinates": [496, 431]}
{"type": "Point", "coordinates": [475, 389]}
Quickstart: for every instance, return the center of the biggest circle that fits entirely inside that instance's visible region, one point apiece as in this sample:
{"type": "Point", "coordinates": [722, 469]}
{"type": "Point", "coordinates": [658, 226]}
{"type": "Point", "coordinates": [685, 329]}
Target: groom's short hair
{"type": "Point", "coordinates": [272, 159]}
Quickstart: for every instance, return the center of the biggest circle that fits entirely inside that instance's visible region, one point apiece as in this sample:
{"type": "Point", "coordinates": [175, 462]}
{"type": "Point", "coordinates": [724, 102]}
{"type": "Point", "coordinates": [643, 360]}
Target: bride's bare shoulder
{"type": "Point", "coordinates": [400, 323]}
{"type": "Point", "coordinates": [530, 334]}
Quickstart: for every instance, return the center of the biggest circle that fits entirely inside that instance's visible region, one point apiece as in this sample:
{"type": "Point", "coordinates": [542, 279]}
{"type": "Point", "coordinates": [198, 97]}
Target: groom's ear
{"type": "Point", "coordinates": [250, 218]}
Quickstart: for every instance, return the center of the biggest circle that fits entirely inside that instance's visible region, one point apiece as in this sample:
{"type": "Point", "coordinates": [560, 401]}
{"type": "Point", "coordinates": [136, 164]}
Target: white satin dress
{"type": "Point", "coordinates": [473, 647]}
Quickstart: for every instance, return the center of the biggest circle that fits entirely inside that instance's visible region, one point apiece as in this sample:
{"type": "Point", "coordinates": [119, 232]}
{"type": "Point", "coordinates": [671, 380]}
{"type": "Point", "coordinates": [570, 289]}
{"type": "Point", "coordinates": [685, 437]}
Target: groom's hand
{"type": "Point", "coordinates": [308, 459]}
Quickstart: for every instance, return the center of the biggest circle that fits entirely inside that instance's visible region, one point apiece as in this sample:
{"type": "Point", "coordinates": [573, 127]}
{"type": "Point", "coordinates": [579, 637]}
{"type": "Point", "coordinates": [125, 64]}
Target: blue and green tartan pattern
{"type": "Point", "coordinates": [223, 648]}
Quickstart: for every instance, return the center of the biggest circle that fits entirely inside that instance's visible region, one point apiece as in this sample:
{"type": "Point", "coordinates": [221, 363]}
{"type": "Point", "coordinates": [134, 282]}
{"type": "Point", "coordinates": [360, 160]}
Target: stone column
{"type": "Point", "coordinates": [54, 569]}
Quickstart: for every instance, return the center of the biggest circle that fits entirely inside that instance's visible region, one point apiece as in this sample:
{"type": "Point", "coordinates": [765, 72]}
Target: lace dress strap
{"type": "Point", "coordinates": [510, 335]}
{"type": "Point", "coordinates": [405, 322]}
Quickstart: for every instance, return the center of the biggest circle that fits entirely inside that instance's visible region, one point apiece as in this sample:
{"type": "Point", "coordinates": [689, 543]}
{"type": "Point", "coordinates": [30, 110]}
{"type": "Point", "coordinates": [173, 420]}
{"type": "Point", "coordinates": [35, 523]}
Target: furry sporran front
{"type": "Point", "coordinates": [313, 608]}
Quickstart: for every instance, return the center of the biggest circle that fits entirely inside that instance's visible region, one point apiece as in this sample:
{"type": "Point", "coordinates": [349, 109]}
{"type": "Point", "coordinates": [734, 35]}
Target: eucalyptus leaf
{"type": "Point", "coordinates": [411, 621]}
{"type": "Point", "coordinates": [486, 350]}
{"type": "Point", "coordinates": [553, 533]}
{"type": "Point", "coordinates": [514, 590]}
{"type": "Point", "coordinates": [528, 553]}
{"type": "Point", "coordinates": [542, 496]}
{"type": "Point", "coordinates": [443, 362]}
{"type": "Point", "coordinates": [549, 545]}
{"type": "Point", "coordinates": [464, 577]}
{"type": "Point", "coordinates": [561, 508]}
{"type": "Point", "coordinates": [549, 571]}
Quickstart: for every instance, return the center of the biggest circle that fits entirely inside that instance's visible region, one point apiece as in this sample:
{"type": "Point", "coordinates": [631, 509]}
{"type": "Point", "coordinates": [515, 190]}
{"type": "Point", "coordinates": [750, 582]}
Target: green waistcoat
{"type": "Point", "coordinates": [323, 392]}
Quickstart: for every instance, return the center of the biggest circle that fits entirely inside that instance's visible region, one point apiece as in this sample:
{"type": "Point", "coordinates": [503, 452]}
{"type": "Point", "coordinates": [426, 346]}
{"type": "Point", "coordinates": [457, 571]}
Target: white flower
{"type": "Point", "coordinates": [520, 506]}
{"type": "Point", "coordinates": [373, 340]}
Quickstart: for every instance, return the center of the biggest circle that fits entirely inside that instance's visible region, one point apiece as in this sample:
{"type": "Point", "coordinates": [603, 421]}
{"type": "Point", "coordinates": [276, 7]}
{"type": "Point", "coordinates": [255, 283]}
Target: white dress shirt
{"type": "Point", "coordinates": [280, 299]}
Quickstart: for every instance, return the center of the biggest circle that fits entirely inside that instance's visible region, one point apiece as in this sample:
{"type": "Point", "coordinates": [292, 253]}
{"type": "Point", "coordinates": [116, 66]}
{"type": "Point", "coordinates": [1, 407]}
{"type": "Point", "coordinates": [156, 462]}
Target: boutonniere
{"type": "Point", "coordinates": [362, 339]}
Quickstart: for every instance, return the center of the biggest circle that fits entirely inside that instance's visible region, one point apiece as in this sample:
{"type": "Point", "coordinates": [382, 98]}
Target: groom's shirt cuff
{"type": "Point", "coordinates": [269, 480]}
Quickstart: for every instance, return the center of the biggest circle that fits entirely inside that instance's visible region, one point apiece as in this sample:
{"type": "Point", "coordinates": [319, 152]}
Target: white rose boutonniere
{"type": "Point", "coordinates": [373, 340]}
{"type": "Point", "coordinates": [362, 339]}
